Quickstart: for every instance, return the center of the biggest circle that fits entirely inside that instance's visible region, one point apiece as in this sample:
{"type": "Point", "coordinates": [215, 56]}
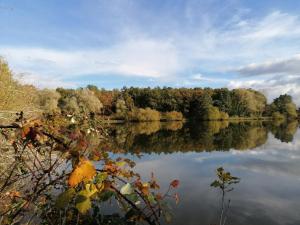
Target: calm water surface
{"type": "Point", "coordinates": [266, 156]}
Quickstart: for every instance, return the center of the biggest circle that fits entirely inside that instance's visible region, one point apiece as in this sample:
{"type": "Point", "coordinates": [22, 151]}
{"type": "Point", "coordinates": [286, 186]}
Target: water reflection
{"type": "Point", "coordinates": [267, 165]}
{"type": "Point", "coordinates": [209, 136]}
{"type": "Point", "coordinates": [284, 131]}
{"type": "Point", "coordinates": [265, 155]}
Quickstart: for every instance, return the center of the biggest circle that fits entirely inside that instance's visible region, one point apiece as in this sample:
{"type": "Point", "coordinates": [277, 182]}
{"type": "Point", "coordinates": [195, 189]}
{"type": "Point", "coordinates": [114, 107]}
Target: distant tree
{"type": "Point", "coordinates": [87, 101]}
{"type": "Point", "coordinates": [128, 102]}
{"type": "Point", "coordinates": [79, 101]}
{"type": "Point", "coordinates": [222, 99]}
{"type": "Point", "coordinates": [211, 113]}
{"type": "Point", "coordinates": [121, 107]}
{"type": "Point", "coordinates": [284, 105]}
{"type": "Point", "coordinates": [93, 88]}
{"type": "Point", "coordinates": [48, 101]}
{"type": "Point", "coordinates": [14, 96]}
{"type": "Point", "coordinates": [200, 105]}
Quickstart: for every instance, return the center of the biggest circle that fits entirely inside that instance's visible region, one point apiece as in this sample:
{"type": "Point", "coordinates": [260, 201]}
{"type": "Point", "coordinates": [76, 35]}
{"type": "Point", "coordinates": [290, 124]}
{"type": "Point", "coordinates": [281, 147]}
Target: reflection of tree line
{"type": "Point", "coordinates": [284, 131]}
{"type": "Point", "coordinates": [215, 135]}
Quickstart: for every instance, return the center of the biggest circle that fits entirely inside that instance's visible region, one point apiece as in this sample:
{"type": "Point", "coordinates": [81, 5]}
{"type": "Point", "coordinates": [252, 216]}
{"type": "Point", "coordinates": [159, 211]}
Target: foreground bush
{"type": "Point", "coordinates": [172, 116]}
{"type": "Point", "coordinates": [143, 115]}
{"type": "Point", "coordinates": [38, 182]}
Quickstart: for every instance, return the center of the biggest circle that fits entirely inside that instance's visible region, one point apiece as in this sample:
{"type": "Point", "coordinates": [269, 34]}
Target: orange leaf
{"type": "Point", "coordinates": [13, 194]}
{"type": "Point", "coordinates": [158, 197]}
{"type": "Point", "coordinates": [25, 131]}
{"type": "Point", "coordinates": [175, 183]}
{"type": "Point", "coordinates": [145, 190]}
{"type": "Point", "coordinates": [85, 170]}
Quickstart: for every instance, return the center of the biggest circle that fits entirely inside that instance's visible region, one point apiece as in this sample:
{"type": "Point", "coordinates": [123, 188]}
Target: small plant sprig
{"type": "Point", "coordinates": [224, 182]}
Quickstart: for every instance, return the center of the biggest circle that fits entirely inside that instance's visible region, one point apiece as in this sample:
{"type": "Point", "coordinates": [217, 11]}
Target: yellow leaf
{"type": "Point", "coordinates": [84, 171]}
{"type": "Point", "coordinates": [121, 164]}
{"type": "Point", "coordinates": [83, 202]}
{"type": "Point", "coordinates": [64, 198]}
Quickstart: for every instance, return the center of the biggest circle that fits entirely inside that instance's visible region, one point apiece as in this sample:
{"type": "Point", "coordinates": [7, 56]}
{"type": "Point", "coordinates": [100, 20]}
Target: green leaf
{"type": "Point", "coordinates": [215, 184]}
{"type": "Point", "coordinates": [133, 197]}
{"type": "Point", "coordinates": [151, 199]}
{"type": "Point", "coordinates": [64, 198]}
{"type": "Point", "coordinates": [83, 202]}
{"type": "Point", "coordinates": [90, 189]}
{"type": "Point", "coordinates": [105, 155]}
{"type": "Point", "coordinates": [101, 177]}
{"type": "Point", "coordinates": [106, 195]}
{"type": "Point", "coordinates": [127, 189]}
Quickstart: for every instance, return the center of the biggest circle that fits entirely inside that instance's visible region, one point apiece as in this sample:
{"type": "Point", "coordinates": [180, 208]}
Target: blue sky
{"type": "Point", "coordinates": [113, 43]}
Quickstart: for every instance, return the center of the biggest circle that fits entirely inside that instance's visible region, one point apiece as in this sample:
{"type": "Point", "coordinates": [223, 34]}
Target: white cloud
{"type": "Point", "coordinates": [201, 77]}
{"type": "Point", "coordinates": [204, 46]}
{"type": "Point", "coordinates": [143, 57]}
{"type": "Point", "coordinates": [273, 77]}
{"type": "Point", "coordinates": [283, 66]}
{"type": "Point", "coordinates": [44, 81]}
{"type": "Point", "coordinates": [273, 87]}
{"type": "Point", "coordinates": [274, 25]}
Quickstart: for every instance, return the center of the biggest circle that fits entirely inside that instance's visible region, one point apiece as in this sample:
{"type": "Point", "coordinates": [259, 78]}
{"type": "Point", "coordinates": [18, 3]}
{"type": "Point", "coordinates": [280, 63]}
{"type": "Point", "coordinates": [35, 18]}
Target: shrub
{"type": "Point", "coordinates": [224, 116]}
{"type": "Point", "coordinates": [140, 114]}
{"type": "Point", "coordinates": [172, 116]}
{"type": "Point", "coordinates": [212, 113]}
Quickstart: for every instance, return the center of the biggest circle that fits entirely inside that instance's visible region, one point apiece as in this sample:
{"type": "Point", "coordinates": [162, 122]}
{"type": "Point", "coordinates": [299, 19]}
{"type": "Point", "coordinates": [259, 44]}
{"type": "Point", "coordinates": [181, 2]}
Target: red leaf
{"type": "Point", "coordinates": [175, 183]}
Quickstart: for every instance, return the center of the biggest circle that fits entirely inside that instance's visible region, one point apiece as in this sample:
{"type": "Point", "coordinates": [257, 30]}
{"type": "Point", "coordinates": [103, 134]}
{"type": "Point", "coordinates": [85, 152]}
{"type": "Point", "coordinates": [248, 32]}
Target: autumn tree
{"type": "Point", "coordinates": [48, 101]}
{"type": "Point", "coordinates": [201, 103]}
{"type": "Point", "coordinates": [79, 101]}
{"type": "Point", "coordinates": [222, 99]}
{"type": "Point", "coordinates": [87, 101]}
{"type": "Point", "coordinates": [284, 105]}
{"type": "Point", "coordinates": [14, 96]}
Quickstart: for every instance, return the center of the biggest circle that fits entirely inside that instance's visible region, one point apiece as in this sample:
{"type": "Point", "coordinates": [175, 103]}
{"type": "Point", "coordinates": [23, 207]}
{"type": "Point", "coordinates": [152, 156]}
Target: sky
{"type": "Point", "coordinates": [177, 43]}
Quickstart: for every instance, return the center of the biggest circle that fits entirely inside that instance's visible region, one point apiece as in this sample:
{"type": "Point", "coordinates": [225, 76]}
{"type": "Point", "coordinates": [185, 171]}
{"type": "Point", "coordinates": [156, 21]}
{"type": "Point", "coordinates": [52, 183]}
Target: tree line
{"type": "Point", "coordinates": [144, 104]}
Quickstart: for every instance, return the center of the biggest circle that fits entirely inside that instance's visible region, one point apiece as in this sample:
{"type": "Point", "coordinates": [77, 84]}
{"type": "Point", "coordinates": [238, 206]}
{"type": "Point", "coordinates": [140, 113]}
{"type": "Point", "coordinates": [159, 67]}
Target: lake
{"type": "Point", "coordinates": [264, 155]}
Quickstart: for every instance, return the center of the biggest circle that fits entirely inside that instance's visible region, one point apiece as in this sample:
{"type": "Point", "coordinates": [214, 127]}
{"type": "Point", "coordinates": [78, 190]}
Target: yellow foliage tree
{"type": "Point", "coordinates": [14, 96]}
